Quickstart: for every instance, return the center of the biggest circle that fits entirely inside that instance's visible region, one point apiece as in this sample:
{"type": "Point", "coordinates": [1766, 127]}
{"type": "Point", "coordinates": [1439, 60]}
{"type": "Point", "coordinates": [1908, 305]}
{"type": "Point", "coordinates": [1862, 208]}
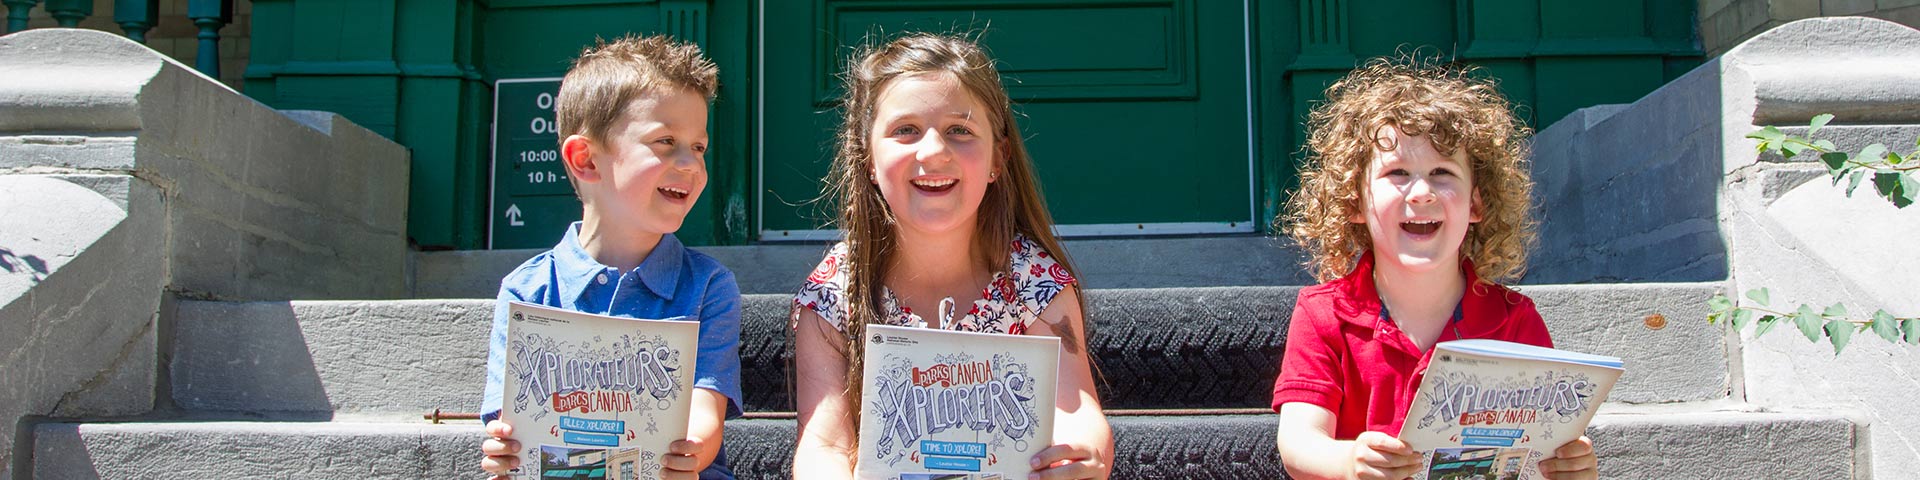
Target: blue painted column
{"type": "Point", "coordinates": [209, 15]}
{"type": "Point", "coordinates": [68, 13]}
{"type": "Point", "coordinates": [136, 17]}
{"type": "Point", "coordinates": [17, 14]}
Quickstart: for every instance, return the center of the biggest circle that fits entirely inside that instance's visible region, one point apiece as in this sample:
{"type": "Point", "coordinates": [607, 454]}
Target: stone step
{"type": "Point", "coordinates": [1215, 347]}
{"type": "Point", "coordinates": [776, 268]}
{"type": "Point", "coordinates": [1685, 442]}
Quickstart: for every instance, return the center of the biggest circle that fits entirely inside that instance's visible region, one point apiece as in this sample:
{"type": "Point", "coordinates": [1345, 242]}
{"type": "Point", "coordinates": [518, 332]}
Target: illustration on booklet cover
{"type": "Point", "coordinates": [1494, 410]}
{"type": "Point", "coordinates": [939, 404]}
{"type": "Point", "coordinates": [595, 397]}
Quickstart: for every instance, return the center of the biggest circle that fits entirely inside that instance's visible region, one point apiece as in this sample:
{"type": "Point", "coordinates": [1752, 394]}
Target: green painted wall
{"type": "Point", "coordinates": [1550, 57]}
{"type": "Point", "coordinates": [1134, 111]}
{"type": "Point", "coordinates": [423, 72]}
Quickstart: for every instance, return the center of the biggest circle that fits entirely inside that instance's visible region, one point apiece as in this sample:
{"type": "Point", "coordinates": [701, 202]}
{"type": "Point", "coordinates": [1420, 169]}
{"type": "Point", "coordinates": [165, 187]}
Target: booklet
{"type": "Point", "coordinates": [593, 396]}
{"type": "Point", "coordinates": [1489, 409]}
{"type": "Point", "coordinates": [939, 404]}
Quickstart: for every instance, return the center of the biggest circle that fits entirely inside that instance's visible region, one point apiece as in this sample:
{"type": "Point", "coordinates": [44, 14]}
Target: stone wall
{"type": "Point", "coordinates": [1726, 23]}
{"type": "Point", "coordinates": [1669, 189]}
{"type": "Point", "coordinates": [126, 179]}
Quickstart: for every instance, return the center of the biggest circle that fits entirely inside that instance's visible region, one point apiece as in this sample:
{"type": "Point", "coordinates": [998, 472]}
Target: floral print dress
{"type": "Point", "coordinates": [1008, 305]}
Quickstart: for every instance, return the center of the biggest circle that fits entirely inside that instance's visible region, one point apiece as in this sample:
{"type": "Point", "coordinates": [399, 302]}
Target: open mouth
{"type": "Point", "coordinates": [935, 185]}
{"type": "Point", "coordinates": [673, 193]}
{"type": "Point", "coordinates": [1421, 227]}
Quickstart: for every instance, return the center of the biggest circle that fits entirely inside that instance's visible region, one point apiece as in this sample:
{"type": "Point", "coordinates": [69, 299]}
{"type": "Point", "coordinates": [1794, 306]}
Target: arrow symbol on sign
{"type": "Point", "coordinates": [513, 216]}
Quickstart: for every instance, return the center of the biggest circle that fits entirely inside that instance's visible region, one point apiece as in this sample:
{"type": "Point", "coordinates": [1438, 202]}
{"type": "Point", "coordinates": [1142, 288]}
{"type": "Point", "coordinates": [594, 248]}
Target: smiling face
{"type": "Point", "coordinates": [1417, 203]}
{"type": "Point", "coordinates": [655, 164]}
{"type": "Point", "coordinates": [933, 152]}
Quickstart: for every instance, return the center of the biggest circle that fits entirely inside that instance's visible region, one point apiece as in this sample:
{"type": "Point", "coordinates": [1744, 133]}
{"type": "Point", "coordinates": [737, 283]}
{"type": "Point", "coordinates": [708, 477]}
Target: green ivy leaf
{"type": "Point", "coordinates": [1909, 188]}
{"type": "Point", "coordinates": [1818, 121]}
{"type": "Point", "coordinates": [1808, 322]}
{"type": "Point", "coordinates": [1887, 184]}
{"type": "Point", "coordinates": [1893, 158]}
{"type": "Point", "coordinates": [1825, 144]}
{"type": "Point", "coordinates": [1873, 153]}
{"type": "Point", "coordinates": [1768, 321]}
{"type": "Point", "coordinates": [1836, 162]}
{"type": "Point", "coordinates": [1758, 295]}
{"type": "Point", "coordinates": [1853, 181]}
{"type": "Point", "coordinates": [1896, 186]}
{"type": "Point", "coordinates": [1768, 137]}
{"type": "Point", "coordinates": [1839, 332]}
{"type": "Point", "coordinates": [1740, 318]}
{"type": "Point", "coordinates": [1719, 303]}
{"type": "Point", "coordinates": [1909, 328]}
{"type": "Point", "coordinates": [1885, 326]}
{"type": "Point", "coordinates": [1836, 311]}
{"type": "Point", "coordinates": [1792, 148]}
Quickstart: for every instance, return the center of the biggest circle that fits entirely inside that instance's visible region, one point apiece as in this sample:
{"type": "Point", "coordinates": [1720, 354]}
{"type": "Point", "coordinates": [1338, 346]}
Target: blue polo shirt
{"type": "Point", "coordinates": [673, 281]}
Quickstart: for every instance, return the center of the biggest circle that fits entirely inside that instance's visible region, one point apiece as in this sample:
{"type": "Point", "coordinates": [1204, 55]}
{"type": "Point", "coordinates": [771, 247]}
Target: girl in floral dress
{"type": "Point", "coordinates": [945, 228]}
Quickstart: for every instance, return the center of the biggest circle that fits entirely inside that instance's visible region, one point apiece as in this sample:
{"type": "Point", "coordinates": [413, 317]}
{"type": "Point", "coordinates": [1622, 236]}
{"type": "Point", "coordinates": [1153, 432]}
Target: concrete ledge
{"type": "Point", "coordinates": [1150, 345]}
{"type": "Point", "coordinates": [1679, 444]}
{"type": "Point", "coordinates": [779, 268]}
{"type": "Point", "coordinates": [309, 359]}
{"type": "Point", "coordinates": [78, 297]}
{"type": "Point", "coordinates": [1684, 360]}
{"type": "Point", "coordinates": [1859, 69]}
{"type": "Point", "coordinates": [1726, 444]}
{"type": "Point", "coordinates": [260, 204]}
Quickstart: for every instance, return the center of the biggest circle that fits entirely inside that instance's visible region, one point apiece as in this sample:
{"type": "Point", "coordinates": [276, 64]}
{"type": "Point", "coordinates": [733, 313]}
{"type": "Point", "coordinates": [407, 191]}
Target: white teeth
{"type": "Point", "coordinates": [1424, 222]}
{"type": "Point", "coordinates": [934, 183]}
{"type": "Point", "coordinates": [674, 191]}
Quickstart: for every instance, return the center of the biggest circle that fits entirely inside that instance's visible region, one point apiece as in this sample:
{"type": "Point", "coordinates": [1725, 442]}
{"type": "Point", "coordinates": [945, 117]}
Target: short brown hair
{"type": "Point", "coordinates": [609, 75]}
{"type": "Point", "coordinates": [1455, 111]}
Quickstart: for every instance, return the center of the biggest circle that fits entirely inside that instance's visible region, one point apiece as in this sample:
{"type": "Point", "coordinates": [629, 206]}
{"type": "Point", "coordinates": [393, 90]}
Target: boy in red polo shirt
{"type": "Point", "coordinates": [1415, 197]}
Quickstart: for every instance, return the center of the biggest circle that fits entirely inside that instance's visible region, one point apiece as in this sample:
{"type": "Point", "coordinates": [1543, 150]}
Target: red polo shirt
{"type": "Point", "coordinates": [1344, 356]}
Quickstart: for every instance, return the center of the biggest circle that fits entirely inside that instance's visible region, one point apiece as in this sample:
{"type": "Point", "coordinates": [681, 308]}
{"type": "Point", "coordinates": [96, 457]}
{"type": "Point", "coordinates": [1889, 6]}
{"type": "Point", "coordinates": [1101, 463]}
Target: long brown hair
{"type": "Point", "coordinates": [1012, 205]}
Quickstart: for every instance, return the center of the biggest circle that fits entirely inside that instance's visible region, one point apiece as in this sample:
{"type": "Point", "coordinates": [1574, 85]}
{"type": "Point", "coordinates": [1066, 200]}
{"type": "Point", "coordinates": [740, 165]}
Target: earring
{"type": "Point", "coordinates": [991, 176]}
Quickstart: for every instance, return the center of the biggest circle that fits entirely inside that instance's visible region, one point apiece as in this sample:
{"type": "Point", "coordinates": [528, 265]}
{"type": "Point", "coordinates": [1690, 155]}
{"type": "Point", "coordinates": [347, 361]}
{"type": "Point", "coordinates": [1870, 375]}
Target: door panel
{"type": "Point", "coordinates": [1135, 112]}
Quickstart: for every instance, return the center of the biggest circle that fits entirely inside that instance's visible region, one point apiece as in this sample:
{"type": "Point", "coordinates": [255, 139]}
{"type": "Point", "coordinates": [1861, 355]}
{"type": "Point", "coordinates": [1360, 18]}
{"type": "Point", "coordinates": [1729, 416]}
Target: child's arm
{"type": "Point", "coordinates": [686, 458]}
{"type": "Point", "coordinates": [1083, 442]}
{"type": "Point", "coordinates": [716, 380]}
{"type": "Point", "coordinates": [501, 452]}
{"type": "Point", "coordinates": [1573, 461]}
{"type": "Point", "coordinates": [826, 448]}
{"type": "Point", "coordinates": [1308, 450]}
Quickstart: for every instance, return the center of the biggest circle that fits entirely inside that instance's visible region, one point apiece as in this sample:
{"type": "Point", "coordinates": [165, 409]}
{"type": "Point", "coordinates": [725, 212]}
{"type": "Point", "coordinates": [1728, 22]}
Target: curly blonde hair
{"type": "Point", "coordinates": [1418, 97]}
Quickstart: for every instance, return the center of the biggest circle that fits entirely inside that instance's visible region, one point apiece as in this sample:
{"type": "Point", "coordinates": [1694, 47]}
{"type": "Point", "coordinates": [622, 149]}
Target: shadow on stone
{"type": "Point", "coordinates": [248, 359]}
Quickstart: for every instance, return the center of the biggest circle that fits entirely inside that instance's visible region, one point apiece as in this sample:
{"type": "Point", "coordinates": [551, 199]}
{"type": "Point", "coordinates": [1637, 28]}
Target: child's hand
{"type": "Point", "coordinates": [1573, 461]}
{"type": "Point", "coordinates": [502, 453]}
{"type": "Point", "coordinates": [1067, 462]}
{"type": "Point", "coordinates": [679, 462]}
{"type": "Point", "coordinates": [1378, 456]}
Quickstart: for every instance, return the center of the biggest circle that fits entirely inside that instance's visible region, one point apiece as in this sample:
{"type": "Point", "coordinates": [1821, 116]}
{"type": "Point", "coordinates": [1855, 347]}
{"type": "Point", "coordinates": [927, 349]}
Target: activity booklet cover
{"type": "Point", "coordinates": [593, 396]}
{"type": "Point", "coordinates": [1489, 409]}
{"type": "Point", "coordinates": [939, 404]}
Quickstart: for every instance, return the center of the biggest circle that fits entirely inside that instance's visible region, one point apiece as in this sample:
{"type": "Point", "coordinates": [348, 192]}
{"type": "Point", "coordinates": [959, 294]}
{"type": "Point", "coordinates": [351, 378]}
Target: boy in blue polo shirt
{"type": "Point", "coordinates": [634, 113]}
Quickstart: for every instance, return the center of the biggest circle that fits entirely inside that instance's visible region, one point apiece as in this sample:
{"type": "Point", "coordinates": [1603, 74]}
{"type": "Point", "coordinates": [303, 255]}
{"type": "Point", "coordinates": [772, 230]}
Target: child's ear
{"type": "Point", "coordinates": [577, 152]}
{"type": "Point", "coordinates": [1475, 207]}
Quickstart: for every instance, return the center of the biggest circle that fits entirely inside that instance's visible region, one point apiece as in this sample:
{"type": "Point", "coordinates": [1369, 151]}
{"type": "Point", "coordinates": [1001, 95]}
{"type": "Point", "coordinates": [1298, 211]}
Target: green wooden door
{"type": "Point", "coordinates": [530, 44]}
{"type": "Point", "coordinates": [425, 74]}
{"type": "Point", "coordinates": [1136, 112]}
